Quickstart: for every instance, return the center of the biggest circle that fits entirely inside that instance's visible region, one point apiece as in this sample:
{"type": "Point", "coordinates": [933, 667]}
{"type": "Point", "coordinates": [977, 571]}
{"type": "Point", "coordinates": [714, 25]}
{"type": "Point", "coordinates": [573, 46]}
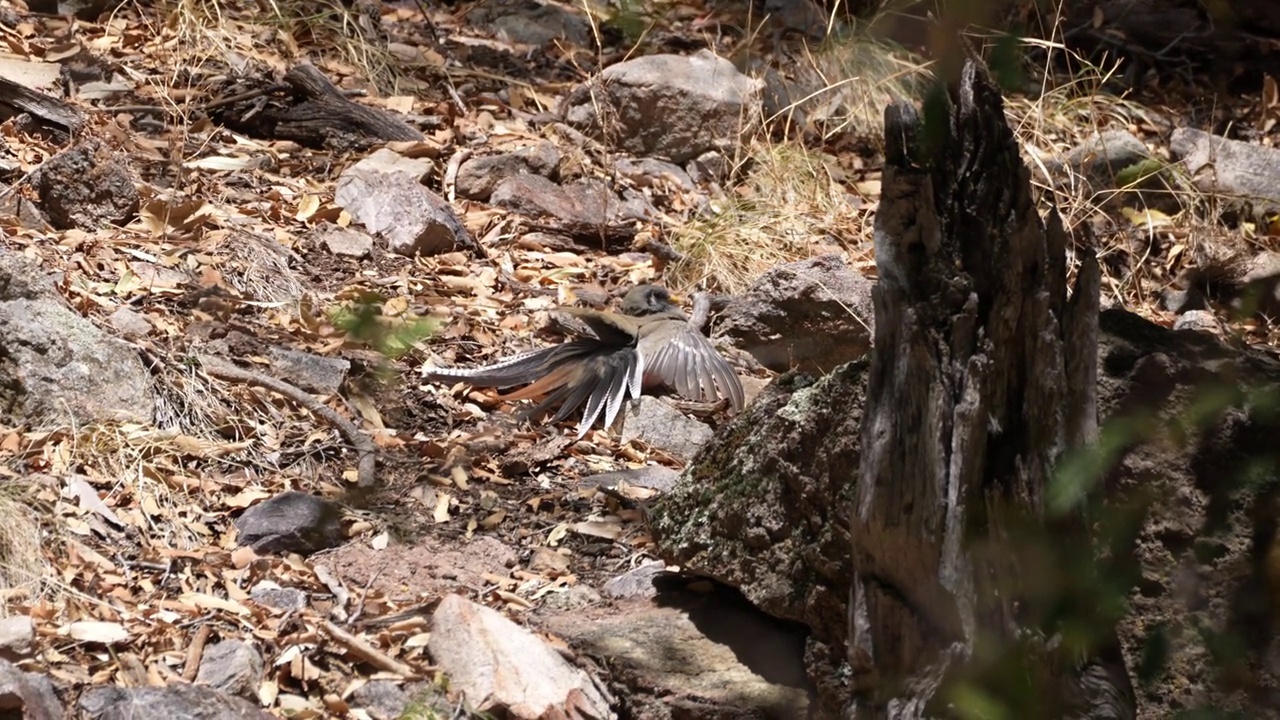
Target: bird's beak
{"type": "Point", "coordinates": [676, 299]}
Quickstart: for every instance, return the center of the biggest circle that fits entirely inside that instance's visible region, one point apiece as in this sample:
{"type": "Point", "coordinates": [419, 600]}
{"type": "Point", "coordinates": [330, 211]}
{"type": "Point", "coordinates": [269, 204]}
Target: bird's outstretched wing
{"type": "Point", "coordinates": [609, 358]}
{"type": "Point", "coordinates": [679, 357]}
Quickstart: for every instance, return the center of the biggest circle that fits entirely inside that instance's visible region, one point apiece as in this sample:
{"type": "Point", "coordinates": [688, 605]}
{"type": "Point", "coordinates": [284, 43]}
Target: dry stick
{"type": "Point", "coordinates": [451, 172]}
{"type": "Point", "coordinates": [660, 250]}
{"type": "Point", "coordinates": [131, 670]}
{"type": "Point", "coordinates": [367, 652]}
{"type": "Point", "coordinates": [367, 452]}
{"type": "Point", "coordinates": [340, 594]}
{"type": "Point", "coordinates": [247, 95]}
{"type": "Point", "coordinates": [241, 97]}
{"type": "Point", "coordinates": [195, 653]}
{"type": "Point", "coordinates": [426, 19]}
{"type": "Point", "coordinates": [701, 310]}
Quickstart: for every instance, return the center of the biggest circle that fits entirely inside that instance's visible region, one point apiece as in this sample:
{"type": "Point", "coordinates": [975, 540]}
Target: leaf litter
{"type": "Point", "coordinates": [137, 565]}
{"type": "Point", "coordinates": [119, 541]}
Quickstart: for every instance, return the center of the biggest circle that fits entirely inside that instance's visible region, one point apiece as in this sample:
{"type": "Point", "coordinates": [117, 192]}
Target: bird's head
{"type": "Point", "coordinates": [648, 300]}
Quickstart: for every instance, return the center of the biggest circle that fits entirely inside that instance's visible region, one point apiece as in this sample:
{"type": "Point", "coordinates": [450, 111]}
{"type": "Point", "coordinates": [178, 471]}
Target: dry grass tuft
{"type": "Point", "coordinates": [843, 86]}
{"type": "Point", "coordinates": [353, 30]}
{"type": "Point", "coordinates": [146, 465]}
{"type": "Point", "coordinates": [258, 267]}
{"type": "Point", "coordinates": [220, 35]}
{"type": "Point", "coordinates": [21, 558]}
{"type": "Point", "coordinates": [1149, 224]}
{"type": "Point", "coordinates": [864, 74]}
{"type": "Point", "coordinates": [787, 206]}
{"type": "Point", "coordinates": [1062, 116]}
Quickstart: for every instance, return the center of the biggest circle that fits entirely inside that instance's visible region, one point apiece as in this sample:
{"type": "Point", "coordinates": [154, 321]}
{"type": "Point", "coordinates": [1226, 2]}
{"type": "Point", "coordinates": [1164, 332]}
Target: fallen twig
{"type": "Point", "coordinates": [194, 653]}
{"type": "Point", "coordinates": [658, 249]}
{"type": "Point", "coordinates": [211, 105]}
{"type": "Point", "coordinates": [366, 451]}
{"type": "Point", "coordinates": [451, 172]}
{"type": "Point", "coordinates": [367, 652]}
{"type": "Point", "coordinates": [701, 311]}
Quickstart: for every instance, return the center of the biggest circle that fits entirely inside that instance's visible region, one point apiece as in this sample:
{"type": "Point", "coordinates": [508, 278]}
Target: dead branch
{"type": "Point", "coordinates": [367, 652]}
{"type": "Point", "coordinates": [367, 462]}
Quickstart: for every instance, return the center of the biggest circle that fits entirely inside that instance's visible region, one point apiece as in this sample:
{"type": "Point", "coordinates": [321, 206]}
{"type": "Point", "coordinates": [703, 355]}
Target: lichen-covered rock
{"type": "Point", "coordinates": [56, 367]}
{"type": "Point", "coordinates": [763, 508]}
{"type": "Point", "coordinates": [86, 187]}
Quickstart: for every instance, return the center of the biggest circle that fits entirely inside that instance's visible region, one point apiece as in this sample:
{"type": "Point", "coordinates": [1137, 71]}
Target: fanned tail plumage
{"type": "Point", "coordinates": [578, 374]}
{"type": "Point", "coordinates": [519, 369]}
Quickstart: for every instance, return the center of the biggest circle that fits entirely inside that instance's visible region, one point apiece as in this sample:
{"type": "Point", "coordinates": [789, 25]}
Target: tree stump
{"type": "Point", "coordinates": [49, 110]}
{"type": "Point", "coordinates": [983, 373]}
{"type": "Point", "coordinates": [315, 114]}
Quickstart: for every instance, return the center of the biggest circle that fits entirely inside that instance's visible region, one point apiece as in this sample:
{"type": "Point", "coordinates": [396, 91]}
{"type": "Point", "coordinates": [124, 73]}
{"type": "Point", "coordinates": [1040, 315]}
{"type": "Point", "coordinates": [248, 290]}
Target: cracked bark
{"type": "Point", "coordinates": [983, 373]}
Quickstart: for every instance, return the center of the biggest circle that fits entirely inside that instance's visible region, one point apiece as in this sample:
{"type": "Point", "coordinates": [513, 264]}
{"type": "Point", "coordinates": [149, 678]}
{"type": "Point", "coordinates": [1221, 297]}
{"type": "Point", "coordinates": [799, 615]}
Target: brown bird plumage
{"type": "Point", "coordinates": [609, 357]}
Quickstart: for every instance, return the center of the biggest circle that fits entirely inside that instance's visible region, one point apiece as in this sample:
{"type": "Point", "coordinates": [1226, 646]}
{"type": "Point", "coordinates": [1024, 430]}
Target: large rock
{"type": "Point", "coordinates": [384, 193]}
{"type": "Point", "coordinates": [478, 177]}
{"type": "Point", "coordinates": [313, 373]}
{"type": "Point", "coordinates": [1100, 159]}
{"type": "Point", "coordinates": [291, 522]}
{"type": "Point", "coordinates": [504, 666]}
{"type": "Point", "coordinates": [1247, 171]}
{"type": "Point", "coordinates": [762, 507]}
{"type": "Point", "coordinates": [383, 700]}
{"type": "Point", "coordinates": [695, 655]}
{"type": "Point", "coordinates": [530, 22]}
{"type": "Point", "coordinates": [665, 428]}
{"type": "Point", "coordinates": [17, 638]}
{"type": "Point", "coordinates": [56, 367]}
{"type": "Point", "coordinates": [29, 694]}
{"type": "Point", "coordinates": [232, 666]}
{"type": "Point", "coordinates": [179, 700]}
{"type": "Point", "coordinates": [587, 202]}
{"type": "Point", "coordinates": [86, 187]}
{"type": "Point", "coordinates": [668, 106]}
{"type": "Point", "coordinates": [811, 315]}
{"type": "Point", "coordinates": [83, 9]}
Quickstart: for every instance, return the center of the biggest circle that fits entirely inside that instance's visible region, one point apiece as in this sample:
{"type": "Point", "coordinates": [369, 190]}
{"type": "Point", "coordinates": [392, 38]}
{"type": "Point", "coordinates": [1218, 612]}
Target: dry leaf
{"type": "Point", "coordinates": [307, 206]}
{"type": "Point", "coordinates": [513, 599]}
{"type": "Point", "coordinates": [600, 529]}
{"type": "Point", "coordinates": [558, 533]}
{"type": "Point", "coordinates": [107, 633]}
{"type": "Point", "coordinates": [87, 498]}
{"type": "Point", "coordinates": [459, 477]}
{"type": "Point", "coordinates": [205, 601]}
{"type": "Point", "coordinates": [493, 520]}
{"type": "Point", "coordinates": [246, 498]}
{"type": "Point", "coordinates": [268, 691]}
{"type": "Point", "coordinates": [419, 640]}
{"type": "Point", "coordinates": [222, 163]}
{"type": "Point", "coordinates": [441, 513]}
{"type": "Point", "coordinates": [242, 556]}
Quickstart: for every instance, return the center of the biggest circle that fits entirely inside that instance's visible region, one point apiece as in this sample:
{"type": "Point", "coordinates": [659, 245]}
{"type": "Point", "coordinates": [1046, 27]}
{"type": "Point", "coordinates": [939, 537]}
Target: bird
{"type": "Point", "coordinates": [608, 358]}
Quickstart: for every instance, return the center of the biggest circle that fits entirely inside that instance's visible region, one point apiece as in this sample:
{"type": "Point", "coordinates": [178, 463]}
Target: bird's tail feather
{"type": "Point", "coordinates": [558, 377]}
{"type": "Point", "coordinates": [518, 369]}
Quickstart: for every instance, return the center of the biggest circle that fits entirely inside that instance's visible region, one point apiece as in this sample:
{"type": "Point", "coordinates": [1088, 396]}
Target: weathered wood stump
{"type": "Point", "coordinates": [49, 110]}
{"type": "Point", "coordinates": [314, 113]}
{"type": "Point", "coordinates": [983, 373]}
